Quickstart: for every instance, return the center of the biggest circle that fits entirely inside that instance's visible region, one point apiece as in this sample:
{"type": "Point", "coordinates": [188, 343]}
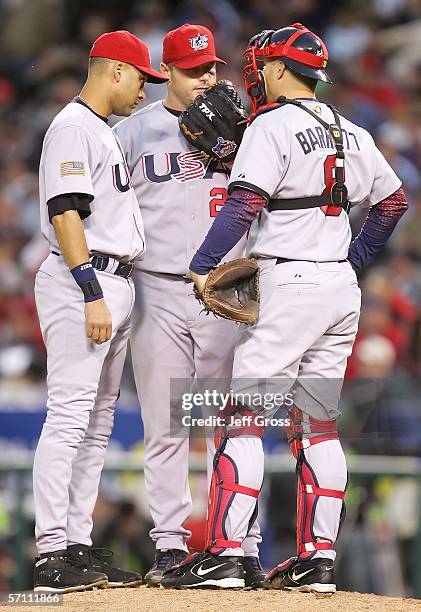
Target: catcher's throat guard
{"type": "Point", "coordinates": [254, 80]}
{"type": "Point", "coordinates": [301, 50]}
{"type": "Point", "coordinates": [232, 291]}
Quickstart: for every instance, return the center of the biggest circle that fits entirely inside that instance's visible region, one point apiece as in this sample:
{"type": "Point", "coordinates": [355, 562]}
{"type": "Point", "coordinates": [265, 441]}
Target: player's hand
{"type": "Point", "coordinates": [199, 280]}
{"type": "Point", "coordinates": [98, 321]}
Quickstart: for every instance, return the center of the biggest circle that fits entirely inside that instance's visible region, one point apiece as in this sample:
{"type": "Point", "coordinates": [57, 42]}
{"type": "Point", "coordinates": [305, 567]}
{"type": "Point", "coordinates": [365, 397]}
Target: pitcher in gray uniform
{"type": "Point", "coordinates": [84, 297]}
{"type": "Point", "coordinates": [180, 192]}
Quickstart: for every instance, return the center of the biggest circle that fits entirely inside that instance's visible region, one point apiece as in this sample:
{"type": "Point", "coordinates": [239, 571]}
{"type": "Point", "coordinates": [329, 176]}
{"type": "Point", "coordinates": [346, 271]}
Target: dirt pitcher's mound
{"type": "Point", "coordinates": [147, 600]}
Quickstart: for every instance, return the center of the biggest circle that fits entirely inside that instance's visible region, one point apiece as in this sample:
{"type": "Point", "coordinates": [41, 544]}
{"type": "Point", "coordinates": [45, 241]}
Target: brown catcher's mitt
{"type": "Point", "coordinates": [232, 291]}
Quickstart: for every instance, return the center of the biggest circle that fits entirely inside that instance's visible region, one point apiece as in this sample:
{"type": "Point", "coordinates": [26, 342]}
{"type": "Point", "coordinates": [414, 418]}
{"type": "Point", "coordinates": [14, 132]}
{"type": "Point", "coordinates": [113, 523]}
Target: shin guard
{"type": "Point", "coordinates": [224, 488]}
{"type": "Point", "coordinates": [308, 490]}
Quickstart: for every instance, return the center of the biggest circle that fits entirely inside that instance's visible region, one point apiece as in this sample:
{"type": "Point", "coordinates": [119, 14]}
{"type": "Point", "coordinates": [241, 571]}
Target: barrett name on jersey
{"type": "Point", "coordinates": [287, 154]}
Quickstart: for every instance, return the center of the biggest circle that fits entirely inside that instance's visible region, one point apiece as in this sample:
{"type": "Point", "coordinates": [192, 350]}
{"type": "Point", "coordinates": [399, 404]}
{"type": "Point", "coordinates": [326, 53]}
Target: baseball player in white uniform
{"type": "Point", "coordinates": [180, 192]}
{"type": "Point", "coordinates": [298, 170]}
{"type": "Point", "coordinates": [84, 296]}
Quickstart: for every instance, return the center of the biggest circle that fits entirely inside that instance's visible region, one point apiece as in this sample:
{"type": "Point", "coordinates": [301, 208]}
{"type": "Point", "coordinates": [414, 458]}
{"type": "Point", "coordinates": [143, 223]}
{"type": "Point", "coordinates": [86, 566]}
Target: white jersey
{"type": "Point", "coordinates": [286, 153]}
{"type": "Point", "coordinates": [180, 191]}
{"type": "Point", "coordinates": [81, 154]}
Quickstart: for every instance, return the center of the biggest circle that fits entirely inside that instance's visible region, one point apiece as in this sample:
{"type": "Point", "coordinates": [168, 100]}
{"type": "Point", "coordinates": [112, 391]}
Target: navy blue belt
{"type": "Point", "coordinates": [104, 263]}
{"type": "Point", "coordinates": [284, 260]}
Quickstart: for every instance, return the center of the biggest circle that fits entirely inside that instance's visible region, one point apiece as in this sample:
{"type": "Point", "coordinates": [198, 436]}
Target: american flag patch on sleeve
{"type": "Point", "coordinates": [72, 168]}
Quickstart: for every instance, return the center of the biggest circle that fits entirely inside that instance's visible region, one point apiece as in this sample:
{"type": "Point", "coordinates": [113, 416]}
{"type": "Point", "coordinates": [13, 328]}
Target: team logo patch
{"type": "Point", "coordinates": [224, 147]}
{"type": "Point", "coordinates": [199, 42]}
{"type": "Point", "coordinates": [72, 168]}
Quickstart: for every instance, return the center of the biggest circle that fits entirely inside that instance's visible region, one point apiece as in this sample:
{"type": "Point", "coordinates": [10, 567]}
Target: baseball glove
{"type": "Point", "coordinates": [215, 122]}
{"type": "Point", "coordinates": [232, 291]}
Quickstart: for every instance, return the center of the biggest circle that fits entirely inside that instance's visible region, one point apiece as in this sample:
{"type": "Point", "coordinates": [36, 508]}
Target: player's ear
{"type": "Point", "coordinates": [118, 69]}
{"type": "Point", "coordinates": [165, 69]}
{"type": "Point", "coordinates": [281, 69]}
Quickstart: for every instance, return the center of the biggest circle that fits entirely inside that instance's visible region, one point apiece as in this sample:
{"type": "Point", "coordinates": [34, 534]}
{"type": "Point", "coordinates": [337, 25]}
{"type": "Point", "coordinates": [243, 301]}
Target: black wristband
{"type": "Point", "coordinates": [91, 290]}
{"type": "Point", "coordinates": [85, 276]}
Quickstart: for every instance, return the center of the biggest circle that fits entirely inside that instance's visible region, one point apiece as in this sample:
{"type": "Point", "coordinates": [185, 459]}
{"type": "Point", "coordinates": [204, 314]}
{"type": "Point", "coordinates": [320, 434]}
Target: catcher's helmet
{"type": "Point", "coordinates": [301, 50]}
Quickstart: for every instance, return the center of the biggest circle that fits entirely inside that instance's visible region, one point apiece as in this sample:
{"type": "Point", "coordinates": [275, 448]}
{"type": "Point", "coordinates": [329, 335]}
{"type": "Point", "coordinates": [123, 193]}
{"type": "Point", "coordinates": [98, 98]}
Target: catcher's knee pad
{"type": "Point", "coordinates": [303, 433]}
{"type": "Point", "coordinates": [224, 487]}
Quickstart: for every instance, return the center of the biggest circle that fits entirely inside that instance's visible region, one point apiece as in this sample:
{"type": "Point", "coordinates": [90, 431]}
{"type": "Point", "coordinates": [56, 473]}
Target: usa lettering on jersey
{"type": "Point", "coordinates": [182, 167]}
{"type": "Point", "coordinates": [180, 190]}
{"type": "Point", "coordinates": [93, 164]}
{"type": "Point", "coordinates": [121, 182]}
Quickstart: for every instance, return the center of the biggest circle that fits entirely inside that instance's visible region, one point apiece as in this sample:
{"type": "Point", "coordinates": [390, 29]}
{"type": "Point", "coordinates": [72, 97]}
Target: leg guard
{"type": "Point", "coordinates": [224, 488]}
{"type": "Point", "coordinates": [304, 433]}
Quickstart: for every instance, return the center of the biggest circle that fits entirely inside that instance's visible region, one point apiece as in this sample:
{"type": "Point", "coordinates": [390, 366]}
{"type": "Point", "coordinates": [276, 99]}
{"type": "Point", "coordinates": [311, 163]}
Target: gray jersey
{"type": "Point", "coordinates": [287, 154]}
{"type": "Point", "coordinates": [81, 154]}
{"type": "Point", "coordinates": [180, 191]}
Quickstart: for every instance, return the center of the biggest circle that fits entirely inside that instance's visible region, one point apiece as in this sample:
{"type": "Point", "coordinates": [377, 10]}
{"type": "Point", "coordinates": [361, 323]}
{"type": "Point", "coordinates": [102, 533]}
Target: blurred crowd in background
{"type": "Point", "coordinates": [376, 67]}
{"type": "Point", "coordinates": [375, 63]}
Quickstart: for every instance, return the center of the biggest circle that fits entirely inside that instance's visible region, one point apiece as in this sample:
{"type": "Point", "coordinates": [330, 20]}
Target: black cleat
{"type": "Point", "coordinates": [56, 573]}
{"type": "Point", "coordinates": [98, 560]}
{"type": "Point", "coordinates": [203, 570]}
{"type": "Point", "coordinates": [254, 576]}
{"type": "Point", "coordinates": [313, 576]}
{"type": "Point", "coordinates": [164, 560]}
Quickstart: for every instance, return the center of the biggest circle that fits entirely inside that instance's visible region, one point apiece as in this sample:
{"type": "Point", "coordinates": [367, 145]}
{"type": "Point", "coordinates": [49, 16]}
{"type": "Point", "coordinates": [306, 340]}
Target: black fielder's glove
{"type": "Point", "coordinates": [232, 291]}
{"type": "Point", "coordinates": [215, 122]}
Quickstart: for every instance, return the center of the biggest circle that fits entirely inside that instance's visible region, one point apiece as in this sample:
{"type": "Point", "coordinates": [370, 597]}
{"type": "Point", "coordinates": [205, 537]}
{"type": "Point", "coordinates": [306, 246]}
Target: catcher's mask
{"type": "Point", "coordinates": [300, 50]}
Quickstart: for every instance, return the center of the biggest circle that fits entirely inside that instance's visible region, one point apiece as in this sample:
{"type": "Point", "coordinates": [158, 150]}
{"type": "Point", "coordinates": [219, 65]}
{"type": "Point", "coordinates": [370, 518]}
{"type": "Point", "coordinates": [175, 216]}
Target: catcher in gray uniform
{"type": "Point", "coordinates": [180, 191]}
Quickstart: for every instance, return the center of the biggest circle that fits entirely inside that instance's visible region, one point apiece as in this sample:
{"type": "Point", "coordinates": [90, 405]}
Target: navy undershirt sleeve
{"type": "Point", "coordinates": [377, 229]}
{"type": "Point", "coordinates": [232, 222]}
{"type": "Point", "coordinates": [243, 206]}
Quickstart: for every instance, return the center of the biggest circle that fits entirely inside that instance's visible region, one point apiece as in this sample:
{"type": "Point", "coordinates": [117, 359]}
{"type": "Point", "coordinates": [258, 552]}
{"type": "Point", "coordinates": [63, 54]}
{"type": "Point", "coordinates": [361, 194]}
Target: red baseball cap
{"type": "Point", "coordinates": [189, 46]}
{"type": "Point", "coordinates": [125, 47]}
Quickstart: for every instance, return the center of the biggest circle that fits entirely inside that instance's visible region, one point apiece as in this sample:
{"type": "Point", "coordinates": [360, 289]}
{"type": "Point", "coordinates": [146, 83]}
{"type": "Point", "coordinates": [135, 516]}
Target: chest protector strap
{"type": "Point", "coordinates": [338, 195]}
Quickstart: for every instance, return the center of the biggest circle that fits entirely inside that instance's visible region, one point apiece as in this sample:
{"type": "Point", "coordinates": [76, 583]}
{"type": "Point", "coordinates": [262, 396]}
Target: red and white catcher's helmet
{"type": "Point", "coordinates": [301, 50]}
